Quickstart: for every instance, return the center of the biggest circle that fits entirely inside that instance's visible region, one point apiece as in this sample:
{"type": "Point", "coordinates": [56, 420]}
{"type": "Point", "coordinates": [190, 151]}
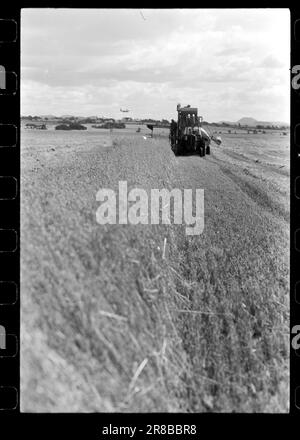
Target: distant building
{"type": "Point", "coordinates": [36, 126]}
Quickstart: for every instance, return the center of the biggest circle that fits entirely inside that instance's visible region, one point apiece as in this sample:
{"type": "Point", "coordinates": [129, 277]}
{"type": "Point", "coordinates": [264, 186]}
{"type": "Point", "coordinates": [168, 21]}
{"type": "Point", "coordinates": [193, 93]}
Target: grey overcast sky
{"type": "Point", "coordinates": [229, 63]}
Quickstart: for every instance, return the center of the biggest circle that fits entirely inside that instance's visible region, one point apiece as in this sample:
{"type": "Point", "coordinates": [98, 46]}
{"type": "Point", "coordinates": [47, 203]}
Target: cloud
{"type": "Point", "coordinates": [271, 62]}
{"type": "Point", "coordinates": [97, 60]}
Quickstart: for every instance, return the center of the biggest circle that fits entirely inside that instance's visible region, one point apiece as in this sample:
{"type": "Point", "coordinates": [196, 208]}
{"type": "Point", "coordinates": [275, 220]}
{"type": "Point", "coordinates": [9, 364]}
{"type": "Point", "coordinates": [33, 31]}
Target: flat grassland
{"type": "Point", "coordinates": [108, 324]}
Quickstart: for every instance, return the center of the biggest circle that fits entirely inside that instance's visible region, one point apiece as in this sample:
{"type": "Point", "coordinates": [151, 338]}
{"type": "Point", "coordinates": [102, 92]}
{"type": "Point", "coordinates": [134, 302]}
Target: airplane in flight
{"type": "Point", "coordinates": [124, 111]}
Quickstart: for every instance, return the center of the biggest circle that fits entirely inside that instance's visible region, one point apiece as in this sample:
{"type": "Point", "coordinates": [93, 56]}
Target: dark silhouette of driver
{"type": "Point", "coordinates": [173, 130]}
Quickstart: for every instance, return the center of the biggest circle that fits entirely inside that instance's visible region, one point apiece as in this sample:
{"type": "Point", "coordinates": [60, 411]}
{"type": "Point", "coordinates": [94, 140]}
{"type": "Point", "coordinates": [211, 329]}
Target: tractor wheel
{"type": "Point", "coordinates": [176, 149]}
{"type": "Point", "coordinates": [208, 149]}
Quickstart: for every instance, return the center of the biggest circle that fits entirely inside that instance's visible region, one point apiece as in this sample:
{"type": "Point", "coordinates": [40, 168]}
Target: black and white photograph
{"type": "Point", "coordinates": [155, 210]}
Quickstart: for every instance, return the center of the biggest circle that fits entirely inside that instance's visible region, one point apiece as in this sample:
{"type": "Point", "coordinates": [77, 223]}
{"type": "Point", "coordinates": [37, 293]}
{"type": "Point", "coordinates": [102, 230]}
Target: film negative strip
{"type": "Point", "coordinates": [295, 205]}
{"type": "Point", "coordinates": [9, 207]}
{"type": "Point", "coordinates": [10, 235]}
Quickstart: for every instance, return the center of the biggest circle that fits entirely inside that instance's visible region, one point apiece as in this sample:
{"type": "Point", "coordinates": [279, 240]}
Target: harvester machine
{"type": "Point", "coordinates": [187, 134]}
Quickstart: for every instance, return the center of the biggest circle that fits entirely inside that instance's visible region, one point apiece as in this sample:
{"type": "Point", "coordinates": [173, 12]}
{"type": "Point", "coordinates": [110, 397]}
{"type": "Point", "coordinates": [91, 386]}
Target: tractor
{"type": "Point", "coordinates": [187, 135]}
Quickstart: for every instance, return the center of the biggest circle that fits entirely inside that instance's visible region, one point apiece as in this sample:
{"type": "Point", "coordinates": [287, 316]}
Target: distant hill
{"type": "Point", "coordinates": [251, 122]}
{"type": "Point", "coordinates": [248, 121]}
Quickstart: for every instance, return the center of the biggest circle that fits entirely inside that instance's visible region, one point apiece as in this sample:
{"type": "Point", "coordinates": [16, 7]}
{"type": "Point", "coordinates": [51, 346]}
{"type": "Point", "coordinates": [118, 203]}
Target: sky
{"type": "Point", "coordinates": [230, 63]}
